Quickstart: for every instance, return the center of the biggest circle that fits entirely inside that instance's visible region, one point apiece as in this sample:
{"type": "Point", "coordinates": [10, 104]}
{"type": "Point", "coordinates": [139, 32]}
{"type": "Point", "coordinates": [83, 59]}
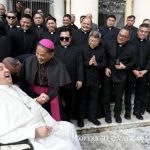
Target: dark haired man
{"type": "Point", "coordinates": [52, 32]}
{"type": "Point", "coordinates": [70, 56]}
{"type": "Point", "coordinates": [120, 57]}
{"type": "Point", "coordinates": [39, 23]}
{"type": "Point", "coordinates": [19, 10]}
{"type": "Point", "coordinates": [44, 73]}
{"type": "Point", "coordinates": [11, 22]}
{"type": "Point", "coordinates": [141, 69]}
{"type": "Point", "coordinates": [129, 88]}
{"type": "Point", "coordinates": [130, 25]}
{"type": "Point", "coordinates": [109, 31]}
{"type": "Point", "coordinates": [76, 37]}
{"type": "Point", "coordinates": [25, 39]}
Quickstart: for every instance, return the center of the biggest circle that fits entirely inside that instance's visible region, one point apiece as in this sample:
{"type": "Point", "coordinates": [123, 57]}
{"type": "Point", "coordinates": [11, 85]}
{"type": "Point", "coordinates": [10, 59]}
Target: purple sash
{"type": "Point", "coordinates": [54, 104]}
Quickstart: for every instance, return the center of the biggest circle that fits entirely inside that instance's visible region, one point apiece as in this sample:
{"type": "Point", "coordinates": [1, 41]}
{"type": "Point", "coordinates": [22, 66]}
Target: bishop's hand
{"type": "Point", "coordinates": [43, 98]}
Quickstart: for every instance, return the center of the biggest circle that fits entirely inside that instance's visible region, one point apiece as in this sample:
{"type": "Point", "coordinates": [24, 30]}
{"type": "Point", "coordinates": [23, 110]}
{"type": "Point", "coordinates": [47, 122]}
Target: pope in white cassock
{"type": "Point", "coordinates": [21, 117]}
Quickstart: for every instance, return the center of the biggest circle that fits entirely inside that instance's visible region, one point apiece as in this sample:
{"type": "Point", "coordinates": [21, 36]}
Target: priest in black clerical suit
{"type": "Point", "coordinates": [70, 56]}
{"type": "Point", "coordinates": [120, 57]}
{"type": "Point", "coordinates": [141, 70]}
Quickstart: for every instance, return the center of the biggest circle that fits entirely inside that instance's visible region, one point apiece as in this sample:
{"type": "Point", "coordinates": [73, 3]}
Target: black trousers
{"type": "Point", "coordinates": [148, 96]}
{"type": "Point", "coordinates": [88, 102]}
{"type": "Point", "coordinates": [140, 100]}
{"type": "Point", "coordinates": [68, 95]}
{"type": "Point", "coordinates": [118, 93]}
{"type": "Point", "coordinates": [129, 88]}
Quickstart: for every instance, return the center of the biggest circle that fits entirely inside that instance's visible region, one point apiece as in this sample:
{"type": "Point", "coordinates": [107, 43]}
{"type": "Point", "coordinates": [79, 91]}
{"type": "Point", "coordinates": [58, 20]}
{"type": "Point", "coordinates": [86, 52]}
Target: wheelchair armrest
{"type": "Point", "coordinates": [26, 141]}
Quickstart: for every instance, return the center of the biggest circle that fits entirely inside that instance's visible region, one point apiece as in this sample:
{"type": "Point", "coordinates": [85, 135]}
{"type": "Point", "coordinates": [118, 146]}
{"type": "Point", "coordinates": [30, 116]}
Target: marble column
{"type": "Point", "coordinates": [141, 10]}
{"type": "Point", "coordinates": [58, 11]}
{"type": "Point", "coordinates": [82, 7]}
{"type": "Point", "coordinates": [128, 8]}
{"type": "Point", "coordinates": [68, 6]}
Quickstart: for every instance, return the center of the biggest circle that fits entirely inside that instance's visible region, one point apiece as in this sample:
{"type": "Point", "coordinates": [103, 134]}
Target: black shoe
{"type": "Point", "coordinates": [118, 119]}
{"type": "Point", "coordinates": [142, 112]}
{"type": "Point", "coordinates": [80, 123]}
{"type": "Point", "coordinates": [127, 115]}
{"type": "Point", "coordinates": [138, 116]}
{"type": "Point", "coordinates": [94, 121]}
{"type": "Point", "coordinates": [108, 119]}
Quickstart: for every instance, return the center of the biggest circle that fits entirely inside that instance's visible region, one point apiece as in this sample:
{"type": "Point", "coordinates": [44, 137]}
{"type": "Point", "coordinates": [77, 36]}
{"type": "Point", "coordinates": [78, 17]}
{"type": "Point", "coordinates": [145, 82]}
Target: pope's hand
{"type": "Point", "coordinates": [42, 132]}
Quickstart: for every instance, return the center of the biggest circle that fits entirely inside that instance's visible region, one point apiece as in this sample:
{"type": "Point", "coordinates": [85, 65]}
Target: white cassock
{"type": "Point", "coordinates": [20, 115]}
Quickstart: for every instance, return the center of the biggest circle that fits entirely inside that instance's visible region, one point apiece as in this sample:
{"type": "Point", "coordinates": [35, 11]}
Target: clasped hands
{"type": "Point", "coordinates": [93, 61]}
{"type": "Point", "coordinates": [43, 98]}
{"type": "Point", "coordinates": [120, 66]}
{"type": "Point", "coordinates": [139, 74]}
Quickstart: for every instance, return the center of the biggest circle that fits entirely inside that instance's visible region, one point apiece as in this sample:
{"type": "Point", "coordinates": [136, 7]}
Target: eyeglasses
{"type": "Point", "coordinates": [66, 38]}
{"type": "Point", "coordinates": [124, 36]}
{"type": "Point", "coordinates": [11, 17]}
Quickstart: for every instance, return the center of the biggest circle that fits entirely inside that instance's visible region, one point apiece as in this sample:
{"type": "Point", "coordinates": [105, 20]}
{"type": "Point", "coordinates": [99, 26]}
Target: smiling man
{"type": "Point", "coordinates": [43, 73]}
{"type": "Point", "coordinates": [94, 62]}
{"type": "Point", "coordinates": [120, 56]}
{"type": "Point", "coordinates": [25, 39]}
{"type": "Point", "coordinates": [23, 118]}
{"type": "Point", "coordinates": [70, 56]}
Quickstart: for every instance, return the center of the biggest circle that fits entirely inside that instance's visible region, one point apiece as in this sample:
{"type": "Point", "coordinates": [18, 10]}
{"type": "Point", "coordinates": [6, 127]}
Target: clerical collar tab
{"type": "Point", "coordinates": [65, 46]}
{"type": "Point", "coordinates": [109, 28]}
{"type": "Point", "coordinates": [141, 40]}
{"type": "Point", "coordinates": [51, 32]}
{"type": "Point", "coordinates": [39, 26]}
{"type": "Point", "coordinates": [120, 45]}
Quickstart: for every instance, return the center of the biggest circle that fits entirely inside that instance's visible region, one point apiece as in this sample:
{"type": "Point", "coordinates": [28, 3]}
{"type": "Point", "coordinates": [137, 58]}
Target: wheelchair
{"type": "Point", "coordinates": [26, 144]}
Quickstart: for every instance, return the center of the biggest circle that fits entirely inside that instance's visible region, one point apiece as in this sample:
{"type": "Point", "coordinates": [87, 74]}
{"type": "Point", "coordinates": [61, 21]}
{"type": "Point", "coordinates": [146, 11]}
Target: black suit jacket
{"type": "Point", "coordinates": [133, 32]}
{"type": "Point", "coordinates": [127, 57]}
{"type": "Point", "coordinates": [75, 35]}
{"type": "Point", "coordinates": [5, 47]}
{"type": "Point", "coordinates": [145, 47]}
{"type": "Point", "coordinates": [70, 56]}
{"type": "Point", "coordinates": [57, 75]}
{"type": "Point", "coordinates": [108, 34]}
{"type": "Point", "coordinates": [93, 73]}
{"type": "Point", "coordinates": [53, 36]}
{"type": "Point", "coordinates": [24, 42]}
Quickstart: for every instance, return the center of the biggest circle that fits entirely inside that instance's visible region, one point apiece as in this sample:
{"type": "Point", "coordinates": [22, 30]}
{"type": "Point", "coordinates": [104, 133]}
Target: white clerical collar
{"type": "Point", "coordinates": [39, 26]}
{"type": "Point", "coordinates": [141, 40]}
{"type": "Point", "coordinates": [51, 32]}
{"type": "Point", "coordinates": [84, 31]}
